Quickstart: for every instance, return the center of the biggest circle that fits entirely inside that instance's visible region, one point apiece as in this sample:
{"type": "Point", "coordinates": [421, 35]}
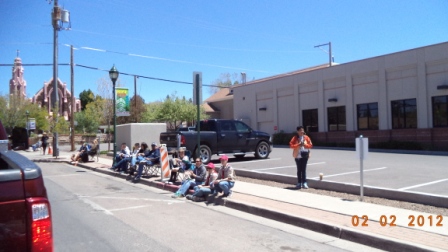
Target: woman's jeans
{"type": "Point", "coordinates": [301, 169]}
{"type": "Point", "coordinates": [224, 186]}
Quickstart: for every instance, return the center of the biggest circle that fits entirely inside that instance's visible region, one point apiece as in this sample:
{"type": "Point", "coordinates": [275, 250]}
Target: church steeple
{"type": "Point", "coordinates": [17, 84]}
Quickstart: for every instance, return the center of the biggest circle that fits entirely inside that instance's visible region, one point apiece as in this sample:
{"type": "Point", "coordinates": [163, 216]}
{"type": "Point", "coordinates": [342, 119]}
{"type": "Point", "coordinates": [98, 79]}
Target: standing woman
{"type": "Point", "coordinates": [44, 140]}
{"type": "Point", "coordinates": [301, 144]}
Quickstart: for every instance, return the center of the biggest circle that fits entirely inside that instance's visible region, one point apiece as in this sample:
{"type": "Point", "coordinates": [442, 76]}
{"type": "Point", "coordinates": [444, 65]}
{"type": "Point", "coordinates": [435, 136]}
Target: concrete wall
{"type": "Point", "coordinates": [139, 132]}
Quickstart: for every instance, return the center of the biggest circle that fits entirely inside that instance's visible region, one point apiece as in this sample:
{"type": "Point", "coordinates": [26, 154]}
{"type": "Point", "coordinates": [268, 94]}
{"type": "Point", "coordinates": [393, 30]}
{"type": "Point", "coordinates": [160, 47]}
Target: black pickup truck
{"type": "Point", "coordinates": [220, 137]}
{"type": "Point", "coordinates": [25, 219]}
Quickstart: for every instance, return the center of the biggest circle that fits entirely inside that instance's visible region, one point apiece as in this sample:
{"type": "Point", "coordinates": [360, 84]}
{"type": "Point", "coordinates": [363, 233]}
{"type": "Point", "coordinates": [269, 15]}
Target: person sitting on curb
{"type": "Point", "coordinates": [37, 145]}
{"type": "Point", "coordinates": [226, 178]}
{"type": "Point", "coordinates": [124, 154]}
{"type": "Point", "coordinates": [179, 164]}
{"type": "Point", "coordinates": [202, 191]}
{"type": "Point", "coordinates": [196, 177]}
{"type": "Point", "coordinates": [123, 163]}
{"type": "Point", "coordinates": [152, 158]}
{"type": "Point", "coordinates": [82, 153]}
{"type": "Point", "coordinates": [139, 156]}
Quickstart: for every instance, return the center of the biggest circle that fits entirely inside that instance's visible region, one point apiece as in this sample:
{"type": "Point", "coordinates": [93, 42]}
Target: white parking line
{"type": "Point", "coordinates": [345, 173]}
{"type": "Point", "coordinates": [97, 207]}
{"type": "Point", "coordinates": [280, 167]}
{"type": "Point", "coordinates": [420, 185]}
{"type": "Point", "coordinates": [256, 161]}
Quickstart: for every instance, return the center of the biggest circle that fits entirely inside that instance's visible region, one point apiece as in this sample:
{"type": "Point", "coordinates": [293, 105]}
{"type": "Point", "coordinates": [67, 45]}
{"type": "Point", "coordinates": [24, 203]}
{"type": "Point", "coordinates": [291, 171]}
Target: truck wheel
{"type": "Point", "coordinates": [206, 154]}
{"type": "Point", "coordinates": [262, 150]}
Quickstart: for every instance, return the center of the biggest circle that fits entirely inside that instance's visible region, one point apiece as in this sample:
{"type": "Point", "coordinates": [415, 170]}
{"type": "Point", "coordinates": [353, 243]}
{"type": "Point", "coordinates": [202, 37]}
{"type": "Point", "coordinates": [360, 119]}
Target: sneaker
{"type": "Point", "coordinates": [305, 185]}
{"type": "Point", "coordinates": [175, 195]}
{"type": "Point", "coordinates": [198, 199]}
{"type": "Point", "coordinates": [299, 185]}
{"type": "Point", "coordinates": [215, 194]}
{"type": "Point", "coordinates": [110, 169]}
{"type": "Point", "coordinates": [122, 173]}
{"type": "Point", "coordinates": [190, 197]}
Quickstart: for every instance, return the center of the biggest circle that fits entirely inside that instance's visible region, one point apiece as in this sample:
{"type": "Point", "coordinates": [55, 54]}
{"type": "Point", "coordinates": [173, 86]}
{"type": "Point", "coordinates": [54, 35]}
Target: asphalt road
{"type": "Point", "coordinates": [406, 172]}
{"type": "Point", "coordinates": [96, 212]}
{"type": "Point", "coordinates": [418, 173]}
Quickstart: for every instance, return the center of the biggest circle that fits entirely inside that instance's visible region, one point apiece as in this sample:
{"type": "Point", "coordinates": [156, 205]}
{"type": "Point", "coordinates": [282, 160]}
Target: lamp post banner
{"type": "Point", "coordinates": [31, 123]}
{"type": "Point", "coordinates": [123, 104]}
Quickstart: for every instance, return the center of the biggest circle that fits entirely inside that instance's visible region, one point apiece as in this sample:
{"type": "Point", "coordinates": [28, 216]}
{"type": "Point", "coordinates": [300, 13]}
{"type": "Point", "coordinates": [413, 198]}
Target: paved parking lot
{"type": "Point", "coordinates": [405, 172]}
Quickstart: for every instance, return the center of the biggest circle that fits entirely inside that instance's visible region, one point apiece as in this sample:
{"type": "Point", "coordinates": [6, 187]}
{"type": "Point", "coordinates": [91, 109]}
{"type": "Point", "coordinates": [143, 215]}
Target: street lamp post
{"type": "Point", "coordinates": [27, 124]}
{"type": "Point", "coordinates": [113, 74]}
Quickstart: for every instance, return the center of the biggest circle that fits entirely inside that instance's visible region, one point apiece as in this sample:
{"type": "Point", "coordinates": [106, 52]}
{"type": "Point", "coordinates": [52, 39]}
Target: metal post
{"type": "Point", "coordinates": [27, 124]}
{"type": "Point", "coordinates": [135, 99]}
{"type": "Point", "coordinates": [115, 123]}
{"type": "Point", "coordinates": [361, 149]}
{"type": "Point", "coordinates": [198, 150]}
{"type": "Point", "coordinates": [331, 57]}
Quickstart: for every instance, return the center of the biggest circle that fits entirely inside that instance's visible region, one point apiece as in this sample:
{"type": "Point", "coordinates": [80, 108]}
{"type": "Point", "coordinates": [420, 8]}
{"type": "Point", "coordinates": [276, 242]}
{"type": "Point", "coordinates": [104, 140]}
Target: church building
{"type": "Point", "coordinates": [43, 97]}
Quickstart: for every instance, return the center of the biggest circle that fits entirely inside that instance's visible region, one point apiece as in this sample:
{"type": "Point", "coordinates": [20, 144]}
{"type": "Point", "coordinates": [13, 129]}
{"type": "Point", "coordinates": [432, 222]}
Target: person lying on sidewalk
{"type": "Point", "coordinates": [197, 177]}
{"type": "Point", "coordinates": [124, 154]}
{"type": "Point", "coordinates": [150, 158]}
{"type": "Point", "coordinates": [226, 178]}
{"type": "Point", "coordinates": [123, 163]}
{"type": "Point", "coordinates": [202, 191]}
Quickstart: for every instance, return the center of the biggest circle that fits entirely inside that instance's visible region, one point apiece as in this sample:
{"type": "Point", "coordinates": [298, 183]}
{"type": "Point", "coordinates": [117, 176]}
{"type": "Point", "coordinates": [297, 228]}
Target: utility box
{"type": "Point", "coordinates": [139, 132]}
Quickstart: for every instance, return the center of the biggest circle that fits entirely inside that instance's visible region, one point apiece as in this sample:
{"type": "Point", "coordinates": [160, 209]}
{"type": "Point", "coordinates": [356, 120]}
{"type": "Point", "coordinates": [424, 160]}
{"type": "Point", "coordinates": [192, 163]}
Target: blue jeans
{"type": "Point", "coordinates": [224, 186]}
{"type": "Point", "coordinates": [202, 191]}
{"type": "Point", "coordinates": [301, 169]}
{"type": "Point", "coordinates": [122, 165]}
{"type": "Point", "coordinates": [136, 159]}
{"type": "Point", "coordinates": [187, 184]}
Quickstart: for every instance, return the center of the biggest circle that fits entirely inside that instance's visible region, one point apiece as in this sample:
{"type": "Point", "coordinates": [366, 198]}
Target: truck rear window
{"type": "Point", "coordinates": [208, 125]}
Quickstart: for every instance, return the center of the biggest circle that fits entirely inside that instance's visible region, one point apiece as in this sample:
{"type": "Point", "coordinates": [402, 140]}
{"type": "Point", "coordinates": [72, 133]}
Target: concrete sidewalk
{"type": "Point", "coordinates": [383, 227]}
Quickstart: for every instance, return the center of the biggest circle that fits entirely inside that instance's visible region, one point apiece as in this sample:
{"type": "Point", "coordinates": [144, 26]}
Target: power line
{"type": "Point", "coordinates": [121, 73]}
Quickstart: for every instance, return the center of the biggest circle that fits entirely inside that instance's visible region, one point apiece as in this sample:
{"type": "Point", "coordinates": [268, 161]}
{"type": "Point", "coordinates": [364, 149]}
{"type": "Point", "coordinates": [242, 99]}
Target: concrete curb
{"type": "Point", "coordinates": [419, 198]}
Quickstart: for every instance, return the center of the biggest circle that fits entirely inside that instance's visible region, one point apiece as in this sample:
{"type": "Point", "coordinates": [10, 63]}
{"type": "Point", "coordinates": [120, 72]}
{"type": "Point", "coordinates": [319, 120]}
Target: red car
{"type": "Point", "coordinates": [25, 219]}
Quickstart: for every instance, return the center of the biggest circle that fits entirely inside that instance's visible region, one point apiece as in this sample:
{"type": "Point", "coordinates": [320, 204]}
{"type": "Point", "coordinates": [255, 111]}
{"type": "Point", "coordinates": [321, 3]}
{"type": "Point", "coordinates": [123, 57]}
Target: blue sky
{"type": "Point", "coordinates": [172, 39]}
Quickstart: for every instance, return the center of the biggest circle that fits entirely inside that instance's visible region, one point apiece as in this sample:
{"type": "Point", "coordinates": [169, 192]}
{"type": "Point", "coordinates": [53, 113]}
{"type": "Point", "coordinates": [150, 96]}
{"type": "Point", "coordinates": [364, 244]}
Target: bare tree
{"type": "Point", "coordinates": [105, 89]}
{"type": "Point", "coordinates": [224, 80]}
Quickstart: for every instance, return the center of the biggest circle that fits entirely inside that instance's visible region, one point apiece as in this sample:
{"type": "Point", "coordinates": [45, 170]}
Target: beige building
{"type": "Point", "coordinates": [220, 104]}
{"type": "Point", "coordinates": [401, 96]}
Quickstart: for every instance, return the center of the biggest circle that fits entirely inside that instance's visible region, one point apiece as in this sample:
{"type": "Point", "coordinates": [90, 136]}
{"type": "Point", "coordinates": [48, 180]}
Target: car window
{"type": "Point", "coordinates": [242, 127]}
{"type": "Point", "coordinates": [227, 126]}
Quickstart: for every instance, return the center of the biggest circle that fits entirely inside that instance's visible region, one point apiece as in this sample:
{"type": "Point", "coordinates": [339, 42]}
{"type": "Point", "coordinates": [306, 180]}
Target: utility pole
{"type": "Point", "coordinates": [56, 17]}
{"type": "Point", "coordinates": [330, 55]}
{"type": "Point", "coordinates": [72, 90]}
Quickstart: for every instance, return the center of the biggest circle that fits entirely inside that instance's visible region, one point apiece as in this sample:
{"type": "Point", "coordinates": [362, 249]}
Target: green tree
{"type": "Point", "coordinates": [175, 110]}
{"type": "Point", "coordinates": [86, 97]}
{"type": "Point", "coordinates": [151, 112]}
